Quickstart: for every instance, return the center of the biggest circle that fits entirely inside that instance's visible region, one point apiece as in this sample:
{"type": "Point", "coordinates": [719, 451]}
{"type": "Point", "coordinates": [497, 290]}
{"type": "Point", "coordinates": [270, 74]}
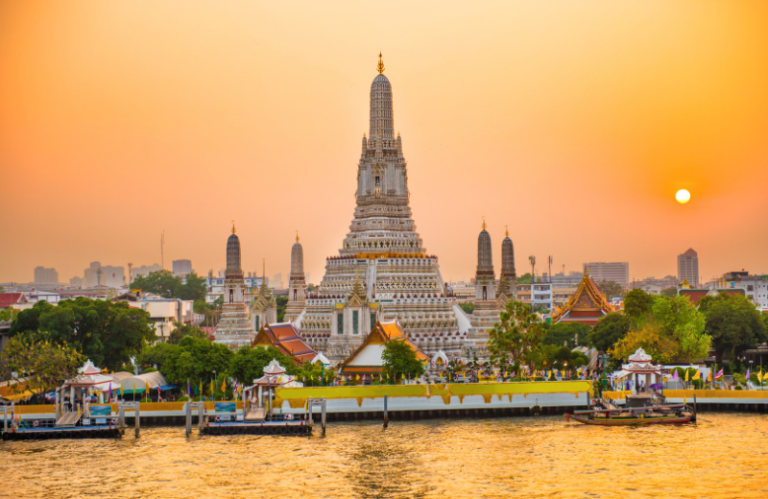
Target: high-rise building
{"type": "Point", "coordinates": [182, 267]}
{"type": "Point", "coordinates": [103, 275]}
{"type": "Point", "coordinates": [46, 276]}
{"type": "Point", "coordinates": [383, 271]}
{"type": "Point", "coordinates": [144, 270]}
{"type": "Point", "coordinates": [688, 267]}
{"type": "Point", "coordinates": [234, 329]}
{"type": "Point", "coordinates": [617, 272]}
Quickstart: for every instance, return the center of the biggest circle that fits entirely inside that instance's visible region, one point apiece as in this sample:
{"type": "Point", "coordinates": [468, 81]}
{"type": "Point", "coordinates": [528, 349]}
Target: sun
{"type": "Point", "coordinates": [683, 196]}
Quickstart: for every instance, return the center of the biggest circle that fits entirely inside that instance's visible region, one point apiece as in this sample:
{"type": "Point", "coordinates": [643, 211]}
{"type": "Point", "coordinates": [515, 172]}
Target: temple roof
{"type": "Point", "coordinates": [368, 355]}
{"type": "Point", "coordinates": [587, 304]}
{"type": "Point", "coordinates": [286, 338]}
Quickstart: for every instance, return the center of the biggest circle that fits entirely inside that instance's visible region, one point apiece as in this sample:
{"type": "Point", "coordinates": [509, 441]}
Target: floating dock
{"type": "Point", "coordinates": [263, 428]}
{"type": "Point", "coordinates": [74, 432]}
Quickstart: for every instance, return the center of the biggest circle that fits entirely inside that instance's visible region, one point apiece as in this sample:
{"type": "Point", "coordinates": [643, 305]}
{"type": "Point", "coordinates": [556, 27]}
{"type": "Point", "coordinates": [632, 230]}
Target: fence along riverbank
{"type": "Point", "coordinates": [435, 401]}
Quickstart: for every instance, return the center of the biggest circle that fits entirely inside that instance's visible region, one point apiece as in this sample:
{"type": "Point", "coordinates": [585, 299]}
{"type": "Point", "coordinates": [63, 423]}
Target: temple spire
{"type": "Point", "coordinates": [297, 236]}
{"type": "Point", "coordinates": [233, 226]}
{"type": "Point", "coordinates": [483, 222]}
{"type": "Point", "coordinates": [380, 66]}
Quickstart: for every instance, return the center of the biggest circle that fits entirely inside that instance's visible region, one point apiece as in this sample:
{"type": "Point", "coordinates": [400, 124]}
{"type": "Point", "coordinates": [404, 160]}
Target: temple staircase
{"type": "Point", "coordinates": [68, 419]}
{"type": "Point", "coordinates": [255, 414]}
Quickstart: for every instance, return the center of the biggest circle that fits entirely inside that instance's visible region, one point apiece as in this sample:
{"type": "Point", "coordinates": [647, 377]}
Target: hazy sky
{"type": "Point", "coordinates": [573, 123]}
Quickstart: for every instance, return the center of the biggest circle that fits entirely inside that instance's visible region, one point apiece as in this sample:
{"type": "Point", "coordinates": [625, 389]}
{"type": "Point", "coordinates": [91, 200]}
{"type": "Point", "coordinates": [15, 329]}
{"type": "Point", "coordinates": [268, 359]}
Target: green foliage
{"type": "Point", "coordinates": [669, 292]}
{"type": "Point", "coordinates": [107, 333]}
{"type": "Point", "coordinates": [149, 370]}
{"type": "Point", "coordinates": [400, 359]}
{"type": "Point", "coordinates": [309, 373]}
{"type": "Point", "coordinates": [248, 363]}
{"type": "Point", "coordinates": [516, 337]}
{"type": "Point", "coordinates": [675, 332]}
{"type": "Point", "coordinates": [8, 314]}
{"type": "Point", "coordinates": [183, 398]}
{"type": "Point", "coordinates": [127, 368]}
{"type": "Point", "coordinates": [638, 305]}
{"type": "Point", "coordinates": [524, 279]}
{"type": "Point", "coordinates": [165, 284]}
{"type": "Point", "coordinates": [572, 334]}
{"type": "Point", "coordinates": [282, 302]}
{"type": "Point", "coordinates": [611, 289]}
{"type": "Point", "coordinates": [183, 330]}
{"type": "Point", "coordinates": [46, 363]}
{"type": "Point", "coordinates": [611, 328]}
{"type": "Point", "coordinates": [734, 324]}
{"type": "Point", "coordinates": [468, 307]}
{"type": "Point", "coordinates": [195, 359]}
{"type": "Point", "coordinates": [154, 355]}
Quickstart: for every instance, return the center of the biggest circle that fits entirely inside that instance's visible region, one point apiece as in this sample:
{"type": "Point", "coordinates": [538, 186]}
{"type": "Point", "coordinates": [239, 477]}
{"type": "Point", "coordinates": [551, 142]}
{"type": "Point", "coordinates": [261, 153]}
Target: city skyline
{"type": "Point", "coordinates": [548, 131]}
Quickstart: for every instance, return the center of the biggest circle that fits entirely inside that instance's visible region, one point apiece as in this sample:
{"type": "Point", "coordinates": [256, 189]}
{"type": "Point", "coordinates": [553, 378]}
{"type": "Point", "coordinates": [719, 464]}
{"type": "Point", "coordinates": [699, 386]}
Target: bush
{"type": "Point", "coordinates": [145, 401]}
{"type": "Point", "coordinates": [150, 370]}
{"type": "Point", "coordinates": [183, 398]}
{"type": "Point", "coordinates": [698, 384]}
{"type": "Point", "coordinates": [739, 387]}
{"type": "Point", "coordinates": [129, 368]}
{"type": "Point", "coordinates": [197, 398]}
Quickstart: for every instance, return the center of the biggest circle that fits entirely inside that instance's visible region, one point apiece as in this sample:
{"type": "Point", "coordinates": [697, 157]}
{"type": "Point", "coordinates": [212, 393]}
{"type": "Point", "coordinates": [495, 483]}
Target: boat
{"type": "Point", "coordinates": [641, 410]}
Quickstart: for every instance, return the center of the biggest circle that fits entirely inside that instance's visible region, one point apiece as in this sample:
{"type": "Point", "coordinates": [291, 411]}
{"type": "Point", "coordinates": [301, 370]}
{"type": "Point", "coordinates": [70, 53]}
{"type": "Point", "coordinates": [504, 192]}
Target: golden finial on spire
{"type": "Point", "coordinates": [483, 222]}
{"type": "Point", "coordinates": [380, 66]}
{"type": "Point", "coordinates": [233, 226]}
{"type": "Point", "coordinates": [506, 231]}
{"type": "Point", "coordinates": [297, 236]}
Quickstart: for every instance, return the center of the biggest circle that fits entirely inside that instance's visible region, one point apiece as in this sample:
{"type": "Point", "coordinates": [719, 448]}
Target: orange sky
{"type": "Point", "coordinates": [572, 122]}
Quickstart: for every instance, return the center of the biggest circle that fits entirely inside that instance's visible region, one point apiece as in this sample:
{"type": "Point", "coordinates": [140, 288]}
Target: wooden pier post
{"type": "Point", "coordinates": [188, 429]}
{"type": "Point", "coordinates": [386, 417]}
{"type": "Point", "coordinates": [137, 418]}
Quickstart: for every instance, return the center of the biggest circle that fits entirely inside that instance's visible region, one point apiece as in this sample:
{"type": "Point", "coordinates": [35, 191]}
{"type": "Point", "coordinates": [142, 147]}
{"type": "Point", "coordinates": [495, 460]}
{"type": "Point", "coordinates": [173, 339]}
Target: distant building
{"type": "Point", "coordinates": [617, 272]}
{"type": "Point", "coordinates": [46, 276]}
{"type": "Point", "coordinates": [145, 270]}
{"type": "Point", "coordinates": [571, 280]}
{"type": "Point", "coordinates": [755, 286]}
{"type": "Point", "coordinates": [182, 267]}
{"type": "Point", "coordinates": [653, 285]}
{"type": "Point", "coordinates": [277, 280]}
{"type": "Point", "coordinates": [99, 275]}
{"type": "Point", "coordinates": [688, 267]}
{"type": "Point", "coordinates": [462, 290]}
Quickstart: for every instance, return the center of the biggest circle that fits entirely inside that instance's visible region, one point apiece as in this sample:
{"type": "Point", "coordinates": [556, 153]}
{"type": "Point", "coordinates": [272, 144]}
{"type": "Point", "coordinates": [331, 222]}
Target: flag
{"type": "Point", "coordinates": [747, 374]}
{"type": "Point", "coordinates": [201, 387]}
{"type": "Point", "coordinates": [675, 377]}
{"type": "Point", "coordinates": [686, 375]}
{"type": "Point", "coordinates": [189, 389]}
{"type": "Point", "coordinates": [223, 386]}
{"type": "Point", "coordinates": [719, 374]}
{"type": "Point", "coordinates": [110, 392]}
{"type": "Point", "coordinates": [709, 376]}
{"type": "Point", "coordinates": [212, 390]}
{"type": "Point", "coordinates": [403, 376]}
{"type": "Point", "coordinates": [697, 375]}
{"type": "Point", "coordinates": [134, 389]}
{"type": "Point", "coordinates": [760, 376]}
{"type": "Point", "coordinates": [122, 392]}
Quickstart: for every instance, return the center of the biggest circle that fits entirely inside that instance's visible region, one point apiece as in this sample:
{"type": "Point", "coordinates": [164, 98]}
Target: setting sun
{"type": "Point", "coordinates": [683, 196]}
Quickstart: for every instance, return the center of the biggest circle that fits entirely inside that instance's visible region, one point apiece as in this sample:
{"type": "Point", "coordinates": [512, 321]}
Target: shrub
{"type": "Point", "coordinates": [739, 387]}
{"type": "Point", "coordinates": [183, 398]}
{"type": "Point", "coordinates": [145, 401]}
{"type": "Point", "coordinates": [150, 370]}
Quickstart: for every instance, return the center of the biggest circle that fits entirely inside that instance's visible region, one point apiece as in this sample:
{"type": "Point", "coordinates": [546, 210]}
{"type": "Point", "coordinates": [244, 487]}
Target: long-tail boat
{"type": "Point", "coordinates": [606, 414]}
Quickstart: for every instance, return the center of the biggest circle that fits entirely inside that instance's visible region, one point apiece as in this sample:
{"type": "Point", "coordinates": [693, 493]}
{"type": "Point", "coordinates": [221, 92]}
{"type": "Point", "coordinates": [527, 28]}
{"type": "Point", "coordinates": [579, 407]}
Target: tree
{"type": "Point", "coordinates": [468, 307]}
{"type": "Point", "coordinates": [155, 355]}
{"type": "Point", "coordinates": [8, 314]}
{"type": "Point", "coordinates": [571, 334]}
{"type": "Point", "coordinates": [37, 363]}
{"type": "Point", "coordinates": [669, 292]}
{"type": "Point", "coordinates": [400, 359]}
{"type": "Point", "coordinates": [183, 330]}
{"type": "Point", "coordinates": [675, 332]}
{"type": "Point", "coordinates": [107, 333]}
{"type": "Point", "coordinates": [524, 279]}
{"type": "Point", "coordinates": [165, 284]}
{"type": "Point", "coordinates": [247, 364]}
{"type": "Point", "coordinates": [611, 328]}
{"type": "Point", "coordinates": [2, 289]}
{"type": "Point", "coordinates": [610, 289]}
{"type": "Point", "coordinates": [282, 303]}
{"type": "Point", "coordinates": [310, 373]}
{"type": "Point", "coordinates": [638, 305]}
{"type": "Point", "coordinates": [515, 336]}
{"type": "Point", "coordinates": [734, 324]}
{"type": "Point", "coordinates": [195, 360]}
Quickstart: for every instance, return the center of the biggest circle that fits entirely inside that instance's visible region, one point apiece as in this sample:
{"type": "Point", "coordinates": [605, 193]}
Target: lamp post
{"type": "Point", "coordinates": [213, 392]}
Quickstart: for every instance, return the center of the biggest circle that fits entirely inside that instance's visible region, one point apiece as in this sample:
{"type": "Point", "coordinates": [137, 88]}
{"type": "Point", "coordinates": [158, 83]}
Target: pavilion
{"type": "Point", "coordinates": [587, 305]}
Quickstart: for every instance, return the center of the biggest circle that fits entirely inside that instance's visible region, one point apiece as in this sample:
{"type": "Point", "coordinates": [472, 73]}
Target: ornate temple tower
{"type": "Point", "coordinates": [486, 312]}
{"type": "Point", "coordinates": [263, 307]}
{"type": "Point", "coordinates": [508, 279]}
{"type": "Point", "coordinates": [297, 286]}
{"type": "Point", "coordinates": [234, 329]}
{"type": "Point", "coordinates": [382, 255]}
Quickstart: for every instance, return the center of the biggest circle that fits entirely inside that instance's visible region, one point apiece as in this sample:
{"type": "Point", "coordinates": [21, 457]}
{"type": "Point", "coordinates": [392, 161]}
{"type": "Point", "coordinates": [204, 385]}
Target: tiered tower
{"type": "Point", "coordinates": [234, 329]}
{"type": "Point", "coordinates": [508, 278]}
{"type": "Point", "coordinates": [297, 286]}
{"type": "Point", "coordinates": [383, 254]}
{"type": "Point", "coordinates": [264, 306]}
{"type": "Point", "coordinates": [486, 312]}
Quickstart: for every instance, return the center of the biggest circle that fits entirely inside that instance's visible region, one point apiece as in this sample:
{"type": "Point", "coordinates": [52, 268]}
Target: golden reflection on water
{"type": "Point", "coordinates": [726, 456]}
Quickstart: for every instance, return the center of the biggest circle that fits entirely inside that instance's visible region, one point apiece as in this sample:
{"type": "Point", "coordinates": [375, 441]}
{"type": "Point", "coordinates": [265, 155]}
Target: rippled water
{"type": "Point", "coordinates": [725, 456]}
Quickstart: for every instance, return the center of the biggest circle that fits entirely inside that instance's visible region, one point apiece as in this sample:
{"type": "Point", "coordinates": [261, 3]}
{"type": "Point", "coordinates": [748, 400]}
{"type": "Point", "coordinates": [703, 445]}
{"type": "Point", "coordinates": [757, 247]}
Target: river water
{"type": "Point", "coordinates": [724, 456]}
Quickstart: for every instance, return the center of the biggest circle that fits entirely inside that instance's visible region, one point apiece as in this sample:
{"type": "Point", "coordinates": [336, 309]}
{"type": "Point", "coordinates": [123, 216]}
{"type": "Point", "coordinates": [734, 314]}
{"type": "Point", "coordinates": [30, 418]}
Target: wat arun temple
{"type": "Point", "coordinates": [383, 271]}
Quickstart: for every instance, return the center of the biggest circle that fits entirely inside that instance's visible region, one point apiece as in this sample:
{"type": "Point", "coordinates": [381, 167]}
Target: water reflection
{"type": "Point", "coordinates": [723, 457]}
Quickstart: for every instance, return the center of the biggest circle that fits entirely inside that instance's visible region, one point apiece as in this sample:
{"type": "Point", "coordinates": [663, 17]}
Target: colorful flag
{"type": "Point", "coordinates": [719, 374]}
{"type": "Point", "coordinates": [697, 375]}
{"type": "Point", "coordinates": [212, 390]}
{"type": "Point", "coordinates": [686, 375]}
{"type": "Point", "coordinates": [189, 390]}
{"type": "Point", "coordinates": [122, 392]}
{"type": "Point", "coordinates": [747, 374]}
{"type": "Point", "coordinates": [224, 386]}
{"type": "Point", "coordinates": [709, 376]}
{"type": "Point", "coordinates": [675, 377]}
